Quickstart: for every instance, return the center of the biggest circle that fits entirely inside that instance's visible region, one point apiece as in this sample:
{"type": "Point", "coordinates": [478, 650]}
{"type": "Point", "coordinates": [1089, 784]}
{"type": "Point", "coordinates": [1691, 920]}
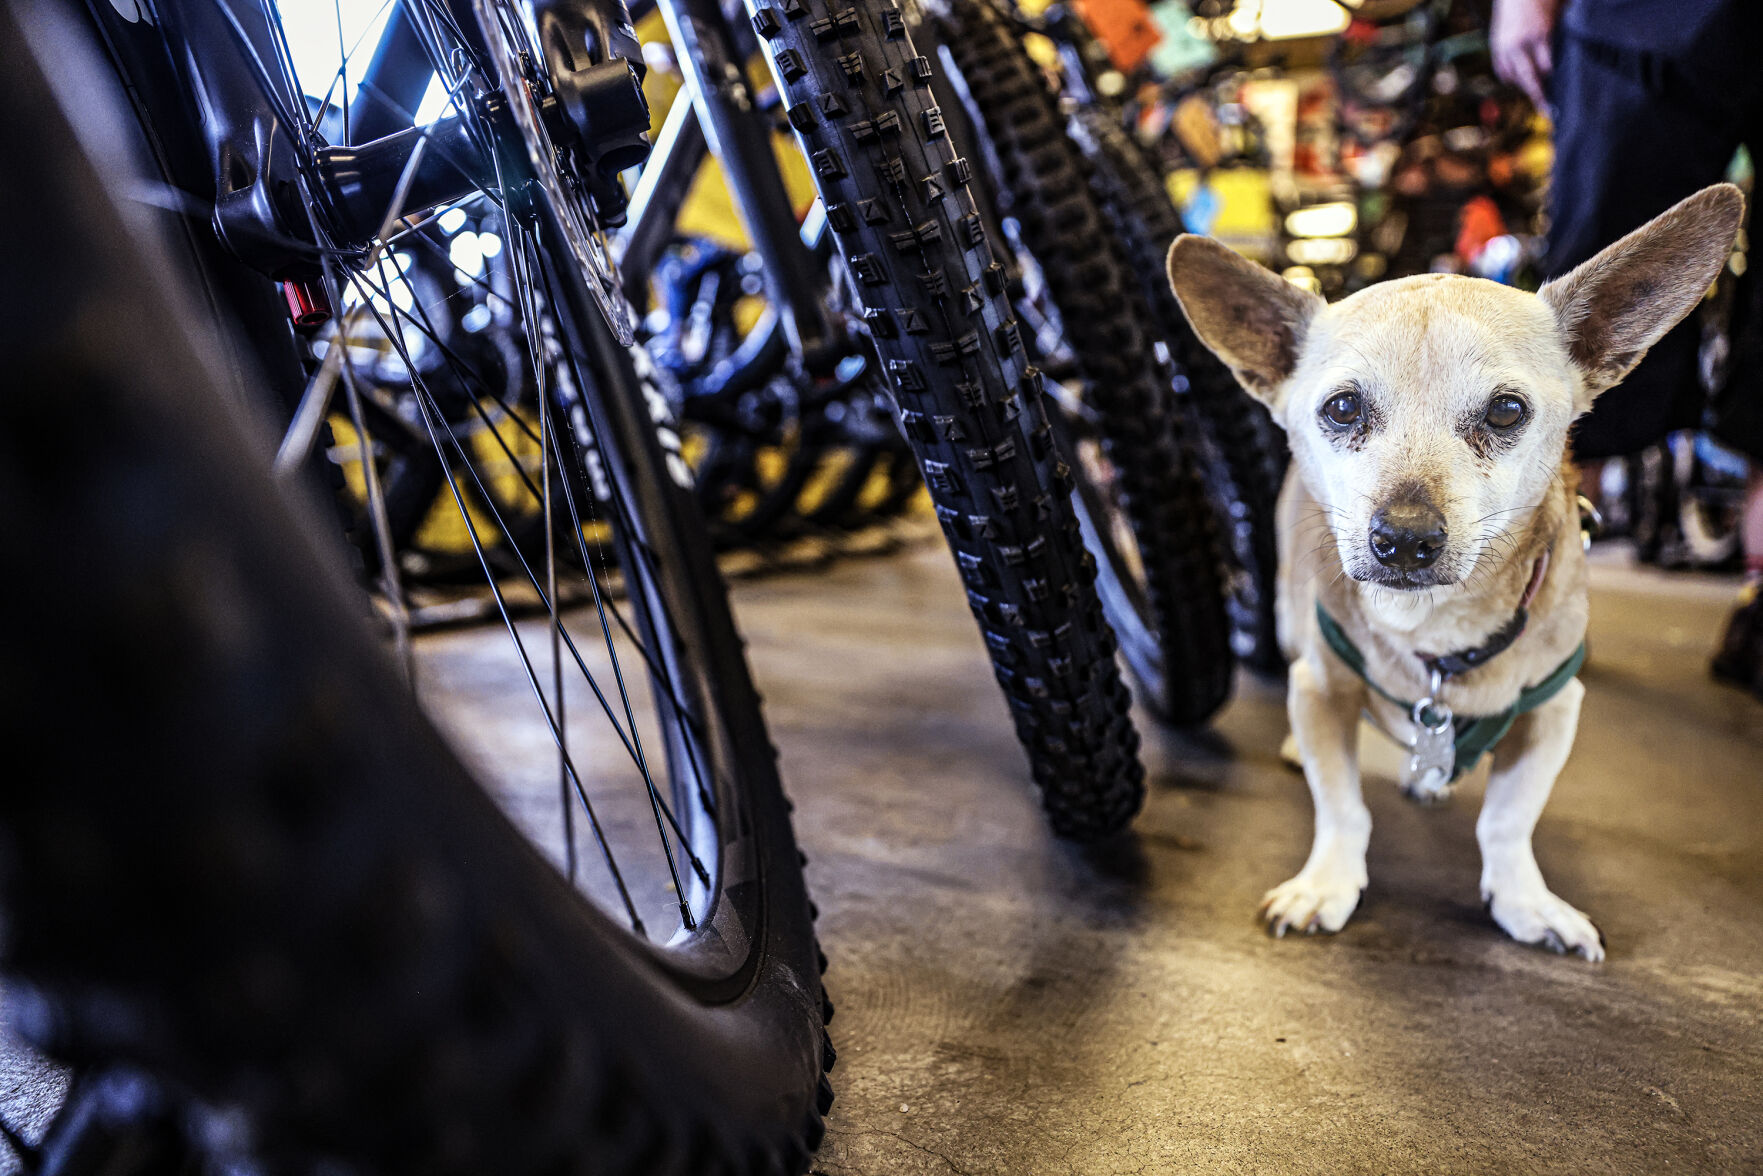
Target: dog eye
{"type": "Point", "coordinates": [1342, 409]}
{"type": "Point", "coordinates": [1504, 412]}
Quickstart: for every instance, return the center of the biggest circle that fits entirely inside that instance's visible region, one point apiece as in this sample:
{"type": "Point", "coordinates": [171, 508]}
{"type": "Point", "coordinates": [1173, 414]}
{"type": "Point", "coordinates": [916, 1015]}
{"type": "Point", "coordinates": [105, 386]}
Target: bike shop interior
{"type": "Point", "coordinates": [627, 358]}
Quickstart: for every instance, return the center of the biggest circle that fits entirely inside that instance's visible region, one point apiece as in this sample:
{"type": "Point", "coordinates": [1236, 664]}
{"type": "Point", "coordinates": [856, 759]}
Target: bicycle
{"type": "Point", "coordinates": [922, 288]}
{"type": "Point", "coordinates": [256, 185]}
{"type": "Point", "coordinates": [270, 884]}
{"type": "Point", "coordinates": [919, 293]}
{"type": "Point", "coordinates": [1221, 459]}
{"type": "Point", "coordinates": [776, 455]}
{"type": "Point", "coordinates": [1140, 495]}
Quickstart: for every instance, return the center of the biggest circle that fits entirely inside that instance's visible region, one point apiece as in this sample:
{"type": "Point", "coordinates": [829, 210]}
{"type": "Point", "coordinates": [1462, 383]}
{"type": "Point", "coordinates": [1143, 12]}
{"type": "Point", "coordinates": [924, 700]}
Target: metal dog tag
{"type": "Point", "coordinates": [1433, 753]}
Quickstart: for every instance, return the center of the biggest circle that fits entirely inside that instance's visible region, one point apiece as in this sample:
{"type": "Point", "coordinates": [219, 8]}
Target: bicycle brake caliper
{"type": "Point", "coordinates": [596, 68]}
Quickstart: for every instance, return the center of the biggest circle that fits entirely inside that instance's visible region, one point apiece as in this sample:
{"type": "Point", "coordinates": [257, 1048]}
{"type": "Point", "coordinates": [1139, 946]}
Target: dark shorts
{"type": "Point", "coordinates": [1634, 135]}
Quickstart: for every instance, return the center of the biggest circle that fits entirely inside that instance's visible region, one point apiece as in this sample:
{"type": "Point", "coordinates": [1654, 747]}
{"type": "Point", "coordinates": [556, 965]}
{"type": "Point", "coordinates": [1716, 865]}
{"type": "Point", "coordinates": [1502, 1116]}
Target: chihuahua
{"type": "Point", "coordinates": [1432, 572]}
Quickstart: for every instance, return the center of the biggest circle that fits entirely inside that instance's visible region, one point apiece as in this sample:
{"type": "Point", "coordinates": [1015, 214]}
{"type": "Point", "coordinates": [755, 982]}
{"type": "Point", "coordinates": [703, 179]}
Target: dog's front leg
{"type": "Point", "coordinates": [1325, 722]}
{"type": "Point", "coordinates": [1526, 763]}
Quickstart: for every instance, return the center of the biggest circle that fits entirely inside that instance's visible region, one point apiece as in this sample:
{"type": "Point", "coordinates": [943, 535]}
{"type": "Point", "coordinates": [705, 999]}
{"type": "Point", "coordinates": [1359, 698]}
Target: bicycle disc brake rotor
{"type": "Point", "coordinates": [513, 58]}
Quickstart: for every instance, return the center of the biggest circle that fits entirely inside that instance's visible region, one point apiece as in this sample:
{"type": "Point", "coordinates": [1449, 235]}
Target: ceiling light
{"type": "Point", "coordinates": [1284, 19]}
{"type": "Point", "coordinates": [1323, 220]}
{"type": "Point", "coordinates": [1324, 251]}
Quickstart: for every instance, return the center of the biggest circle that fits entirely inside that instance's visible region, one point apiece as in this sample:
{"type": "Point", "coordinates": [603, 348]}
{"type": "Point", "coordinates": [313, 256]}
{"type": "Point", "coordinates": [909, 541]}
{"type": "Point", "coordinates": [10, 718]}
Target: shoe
{"type": "Point", "coordinates": [1740, 658]}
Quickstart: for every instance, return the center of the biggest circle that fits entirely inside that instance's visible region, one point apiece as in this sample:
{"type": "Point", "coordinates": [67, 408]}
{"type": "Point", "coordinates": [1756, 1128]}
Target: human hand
{"type": "Point", "coordinates": [1519, 39]}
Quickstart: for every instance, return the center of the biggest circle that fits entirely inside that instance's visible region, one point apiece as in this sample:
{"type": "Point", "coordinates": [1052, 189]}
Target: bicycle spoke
{"type": "Point", "coordinates": [296, 444]}
{"type": "Point", "coordinates": [427, 403]}
{"type": "Point", "coordinates": [525, 285]}
{"type": "Point", "coordinates": [434, 247]}
{"type": "Point", "coordinates": [632, 742]}
{"type": "Point", "coordinates": [657, 670]}
{"type": "Point", "coordinates": [340, 77]}
{"type": "Point", "coordinates": [432, 421]}
{"type": "Point", "coordinates": [470, 375]}
{"type": "Point", "coordinates": [655, 803]}
{"type": "Point", "coordinates": [374, 272]}
{"type": "Point", "coordinates": [391, 585]}
{"type": "Point", "coordinates": [659, 675]}
{"type": "Point", "coordinates": [343, 56]}
{"type": "Point", "coordinates": [634, 540]}
{"type": "Point", "coordinates": [566, 808]}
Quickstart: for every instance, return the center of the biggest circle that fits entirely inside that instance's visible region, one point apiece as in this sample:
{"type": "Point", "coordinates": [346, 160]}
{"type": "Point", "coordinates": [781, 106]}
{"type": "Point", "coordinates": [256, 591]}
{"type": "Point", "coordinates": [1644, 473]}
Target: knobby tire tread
{"type": "Point", "coordinates": [1046, 186]}
{"type": "Point", "coordinates": [857, 93]}
{"type": "Point", "coordinates": [1244, 451]}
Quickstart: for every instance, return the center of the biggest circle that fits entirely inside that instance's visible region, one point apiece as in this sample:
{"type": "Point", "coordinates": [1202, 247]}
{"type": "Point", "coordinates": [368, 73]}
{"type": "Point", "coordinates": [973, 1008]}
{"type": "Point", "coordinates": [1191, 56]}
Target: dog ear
{"type": "Point", "coordinates": [1614, 307]}
{"type": "Point", "coordinates": [1251, 318]}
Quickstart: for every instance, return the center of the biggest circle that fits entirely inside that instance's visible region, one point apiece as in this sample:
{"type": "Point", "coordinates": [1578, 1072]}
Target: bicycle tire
{"type": "Point", "coordinates": [1242, 450]}
{"type": "Point", "coordinates": [728, 471]}
{"type": "Point", "coordinates": [272, 881]}
{"type": "Point", "coordinates": [904, 484]}
{"type": "Point", "coordinates": [857, 94]}
{"type": "Point", "coordinates": [831, 508]}
{"type": "Point", "coordinates": [866, 444]}
{"type": "Point", "coordinates": [1179, 646]}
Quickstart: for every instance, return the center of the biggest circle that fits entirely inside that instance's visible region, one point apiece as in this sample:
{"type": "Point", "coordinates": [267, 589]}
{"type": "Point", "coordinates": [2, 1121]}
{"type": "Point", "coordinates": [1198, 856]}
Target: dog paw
{"type": "Point", "coordinates": [1537, 916]}
{"type": "Point", "coordinates": [1316, 900]}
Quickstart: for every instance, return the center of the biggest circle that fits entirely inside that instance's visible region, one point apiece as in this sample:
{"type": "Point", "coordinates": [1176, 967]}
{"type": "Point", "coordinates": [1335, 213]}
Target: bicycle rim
{"type": "Point", "coordinates": [553, 499]}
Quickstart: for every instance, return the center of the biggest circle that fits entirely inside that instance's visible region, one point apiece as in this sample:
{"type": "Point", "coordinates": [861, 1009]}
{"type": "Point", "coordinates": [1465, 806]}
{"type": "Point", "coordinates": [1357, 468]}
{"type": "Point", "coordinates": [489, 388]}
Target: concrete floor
{"type": "Point", "coordinates": [1008, 1004]}
{"type": "Point", "coordinates": [1011, 1005]}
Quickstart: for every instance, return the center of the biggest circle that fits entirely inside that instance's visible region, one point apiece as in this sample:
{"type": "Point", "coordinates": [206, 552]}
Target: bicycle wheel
{"type": "Point", "coordinates": [903, 488]}
{"type": "Point", "coordinates": [857, 92]}
{"type": "Point", "coordinates": [311, 913]}
{"type": "Point", "coordinates": [1241, 450]}
{"type": "Point", "coordinates": [1164, 569]}
{"type": "Point", "coordinates": [865, 425]}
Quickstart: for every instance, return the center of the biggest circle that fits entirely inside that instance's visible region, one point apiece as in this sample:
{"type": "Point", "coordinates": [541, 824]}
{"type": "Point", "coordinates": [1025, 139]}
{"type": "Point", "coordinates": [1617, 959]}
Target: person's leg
{"type": "Point", "coordinates": [1738, 422]}
{"type": "Point", "coordinates": [1738, 403]}
{"type": "Point", "coordinates": [1753, 536]}
{"type": "Point", "coordinates": [1622, 156]}
{"type": "Point", "coordinates": [1739, 658]}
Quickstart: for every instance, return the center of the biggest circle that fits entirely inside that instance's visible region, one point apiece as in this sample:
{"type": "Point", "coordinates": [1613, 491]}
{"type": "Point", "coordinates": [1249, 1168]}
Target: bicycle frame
{"type": "Point", "coordinates": [723, 118]}
{"type": "Point", "coordinates": [224, 44]}
{"type": "Point", "coordinates": [225, 55]}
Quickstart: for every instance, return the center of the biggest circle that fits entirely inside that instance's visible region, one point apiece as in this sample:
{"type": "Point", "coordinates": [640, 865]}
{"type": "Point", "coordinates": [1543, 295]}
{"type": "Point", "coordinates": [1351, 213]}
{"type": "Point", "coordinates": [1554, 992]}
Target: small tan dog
{"type": "Point", "coordinates": [1431, 566]}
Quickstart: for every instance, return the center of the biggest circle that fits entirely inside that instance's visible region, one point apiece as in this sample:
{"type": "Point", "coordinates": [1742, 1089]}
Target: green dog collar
{"type": "Point", "coordinates": [1474, 737]}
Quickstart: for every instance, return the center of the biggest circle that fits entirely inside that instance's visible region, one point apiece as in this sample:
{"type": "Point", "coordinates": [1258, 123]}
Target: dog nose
{"type": "Point", "coordinates": [1407, 536]}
